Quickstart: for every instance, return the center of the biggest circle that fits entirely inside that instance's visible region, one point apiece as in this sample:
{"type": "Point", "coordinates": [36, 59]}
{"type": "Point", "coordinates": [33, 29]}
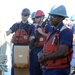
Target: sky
{"type": "Point", "coordinates": [10, 10]}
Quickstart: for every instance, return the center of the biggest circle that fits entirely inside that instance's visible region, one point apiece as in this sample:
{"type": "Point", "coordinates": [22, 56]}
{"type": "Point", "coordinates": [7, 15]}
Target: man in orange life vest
{"type": "Point", "coordinates": [21, 35]}
{"type": "Point", "coordinates": [35, 68]}
{"type": "Point", "coordinates": [57, 52]}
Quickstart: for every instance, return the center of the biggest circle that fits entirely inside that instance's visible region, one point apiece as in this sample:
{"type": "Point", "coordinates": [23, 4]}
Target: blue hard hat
{"type": "Point", "coordinates": [58, 10]}
{"type": "Point", "coordinates": [33, 15]}
{"type": "Point", "coordinates": [26, 11]}
{"type": "Point", "coordinates": [72, 17]}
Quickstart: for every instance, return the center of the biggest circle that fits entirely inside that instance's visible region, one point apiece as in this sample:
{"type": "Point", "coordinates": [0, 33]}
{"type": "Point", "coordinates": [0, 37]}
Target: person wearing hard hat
{"type": "Point", "coordinates": [33, 16]}
{"type": "Point", "coordinates": [38, 43]}
{"type": "Point", "coordinates": [72, 19]}
{"type": "Point", "coordinates": [57, 52]}
{"type": "Point", "coordinates": [21, 33]}
{"type": "Point", "coordinates": [33, 19]}
{"type": "Point", "coordinates": [24, 15]}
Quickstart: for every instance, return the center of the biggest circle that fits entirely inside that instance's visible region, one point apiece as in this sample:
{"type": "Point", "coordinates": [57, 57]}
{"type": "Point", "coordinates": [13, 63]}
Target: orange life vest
{"type": "Point", "coordinates": [41, 39]}
{"type": "Point", "coordinates": [21, 36]}
{"type": "Point", "coordinates": [51, 46]}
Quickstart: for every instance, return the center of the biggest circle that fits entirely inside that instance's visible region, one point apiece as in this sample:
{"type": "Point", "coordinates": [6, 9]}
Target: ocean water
{"type": "Point", "coordinates": [7, 73]}
{"type": "Point", "coordinates": [9, 53]}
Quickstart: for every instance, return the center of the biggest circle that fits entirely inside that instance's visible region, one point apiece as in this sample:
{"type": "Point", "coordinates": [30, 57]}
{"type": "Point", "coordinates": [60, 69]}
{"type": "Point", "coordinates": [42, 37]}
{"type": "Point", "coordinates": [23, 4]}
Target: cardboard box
{"type": "Point", "coordinates": [21, 71]}
{"type": "Point", "coordinates": [21, 56]}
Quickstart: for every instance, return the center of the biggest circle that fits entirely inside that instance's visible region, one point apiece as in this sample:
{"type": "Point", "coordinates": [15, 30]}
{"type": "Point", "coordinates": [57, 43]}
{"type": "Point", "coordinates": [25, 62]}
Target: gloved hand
{"type": "Point", "coordinates": [41, 57]}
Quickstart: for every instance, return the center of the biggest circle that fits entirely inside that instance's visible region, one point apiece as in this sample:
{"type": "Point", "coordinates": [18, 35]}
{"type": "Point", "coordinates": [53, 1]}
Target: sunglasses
{"type": "Point", "coordinates": [54, 16]}
{"type": "Point", "coordinates": [38, 17]}
{"type": "Point", "coordinates": [24, 15]}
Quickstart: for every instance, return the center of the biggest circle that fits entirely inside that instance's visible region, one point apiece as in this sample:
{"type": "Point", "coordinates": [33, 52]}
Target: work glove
{"type": "Point", "coordinates": [41, 57]}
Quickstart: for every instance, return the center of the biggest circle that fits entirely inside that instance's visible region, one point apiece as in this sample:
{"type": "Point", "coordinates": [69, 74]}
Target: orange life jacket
{"type": "Point", "coordinates": [41, 39]}
{"type": "Point", "coordinates": [51, 46]}
{"type": "Point", "coordinates": [21, 35]}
